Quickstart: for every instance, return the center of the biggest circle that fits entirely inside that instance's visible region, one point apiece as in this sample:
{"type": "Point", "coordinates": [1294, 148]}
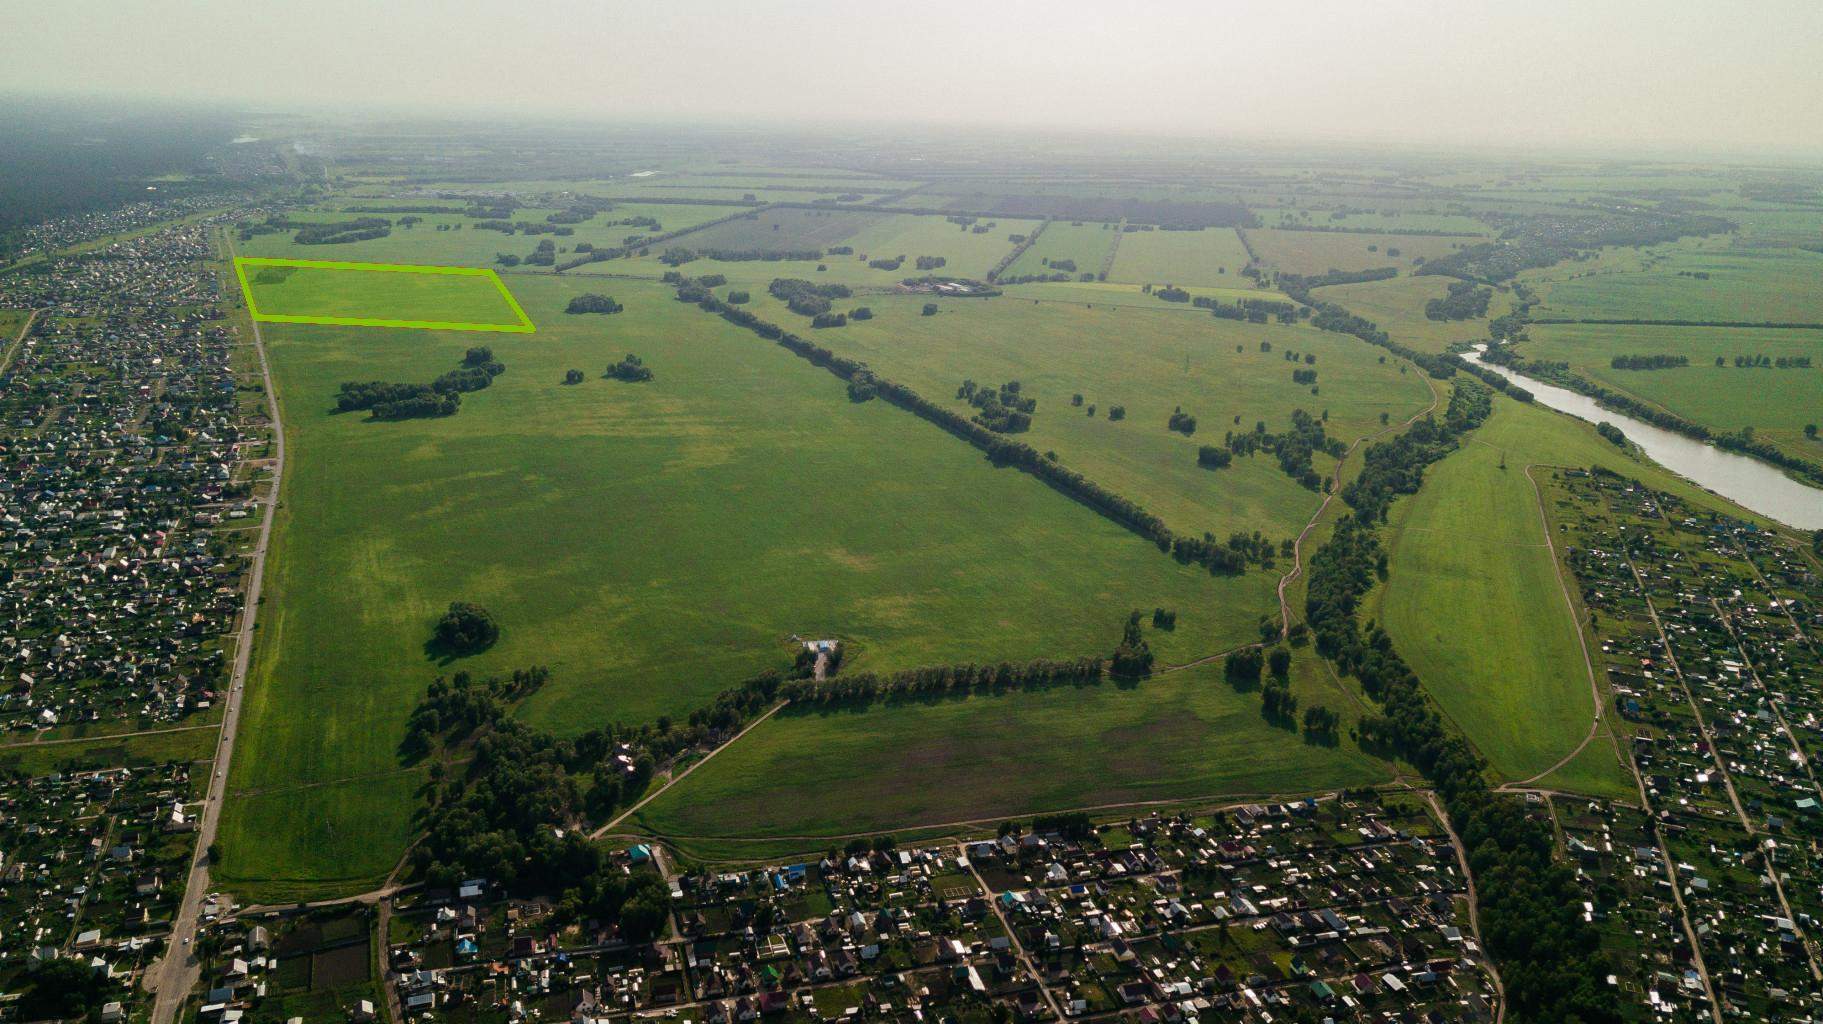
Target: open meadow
{"type": "Point", "coordinates": [1776, 403]}
{"type": "Point", "coordinates": [1212, 256]}
{"type": "Point", "coordinates": [1709, 279]}
{"type": "Point", "coordinates": [1149, 357]}
{"type": "Point", "coordinates": [1076, 248]}
{"type": "Point", "coordinates": [651, 543]}
{"type": "Point", "coordinates": [1181, 736]}
{"type": "Point", "coordinates": [1473, 602]}
{"type": "Point", "coordinates": [1317, 252]}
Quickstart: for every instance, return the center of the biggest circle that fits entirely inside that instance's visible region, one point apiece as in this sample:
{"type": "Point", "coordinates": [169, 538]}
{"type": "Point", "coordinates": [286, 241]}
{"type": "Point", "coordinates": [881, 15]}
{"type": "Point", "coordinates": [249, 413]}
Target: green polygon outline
{"type": "Point", "coordinates": [241, 263]}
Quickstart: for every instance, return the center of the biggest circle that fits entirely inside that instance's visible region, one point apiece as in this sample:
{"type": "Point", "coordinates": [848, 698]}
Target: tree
{"type": "Point", "coordinates": [1810, 431]}
{"type": "Point", "coordinates": [1279, 662]}
{"type": "Point", "coordinates": [1242, 667]}
{"type": "Point", "coordinates": [465, 629]}
{"type": "Point", "coordinates": [58, 988]}
{"type": "Point", "coordinates": [930, 309]}
{"type": "Point", "coordinates": [591, 302]}
{"type": "Point", "coordinates": [572, 376]}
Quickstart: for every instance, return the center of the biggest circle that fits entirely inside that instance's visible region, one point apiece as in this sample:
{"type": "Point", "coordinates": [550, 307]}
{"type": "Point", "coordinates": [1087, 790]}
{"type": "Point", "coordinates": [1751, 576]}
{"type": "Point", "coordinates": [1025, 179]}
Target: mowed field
{"type": "Point", "coordinates": [1179, 736]}
{"type": "Point", "coordinates": [1473, 602]}
{"type": "Point", "coordinates": [1743, 285]}
{"type": "Point", "coordinates": [653, 544]}
{"type": "Point", "coordinates": [1776, 403]}
{"type": "Point", "coordinates": [1212, 256]}
{"type": "Point", "coordinates": [1151, 357]}
{"type": "Point", "coordinates": [1085, 243]}
{"type": "Point", "coordinates": [378, 294]}
{"type": "Point", "coordinates": [1315, 252]}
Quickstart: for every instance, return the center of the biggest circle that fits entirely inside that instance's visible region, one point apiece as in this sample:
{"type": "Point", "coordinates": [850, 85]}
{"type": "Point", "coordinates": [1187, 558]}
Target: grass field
{"type": "Point", "coordinates": [403, 294]}
{"type": "Point", "coordinates": [1314, 252]}
{"type": "Point", "coordinates": [1777, 404]}
{"type": "Point", "coordinates": [1472, 599]}
{"type": "Point", "coordinates": [783, 230]}
{"type": "Point", "coordinates": [109, 751]}
{"type": "Point", "coordinates": [1086, 243]}
{"type": "Point", "coordinates": [1473, 603]}
{"type": "Point", "coordinates": [459, 243]}
{"type": "Point", "coordinates": [1777, 285]}
{"type": "Point", "coordinates": [1397, 305]}
{"type": "Point", "coordinates": [1212, 256]}
{"type": "Point", "coordinates": [1150, 359]}
{"type": "Point", "coordinates": [909, 235]}
{"type": "Point", "coordinates": [1180, 736]}
{"type": "Point", "coordinates": [652, 543]}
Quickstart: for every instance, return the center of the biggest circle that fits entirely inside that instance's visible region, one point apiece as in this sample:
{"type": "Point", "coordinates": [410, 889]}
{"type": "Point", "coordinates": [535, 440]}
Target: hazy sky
{"type": "Point", "coordinates": [1713, 74]}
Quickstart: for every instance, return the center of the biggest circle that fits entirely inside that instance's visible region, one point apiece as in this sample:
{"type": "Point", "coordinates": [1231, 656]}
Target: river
{"type": "Point", "coordinates": [1747, 481]}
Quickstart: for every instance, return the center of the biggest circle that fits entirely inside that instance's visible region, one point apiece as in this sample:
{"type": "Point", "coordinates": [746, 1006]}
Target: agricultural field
{"type": "Point", "coordinates": [1317, 252]}
{"type": "Point", "coordinates": [1212, 256]}
{"type": "Point", "coordinates": [451, 239]}
{"type": "Point", "coordinates": [1385, 220]}
{"type": "Point", "coordinates": [651, 543]}
{"type": "Point", "coordinates": [1084, 243]}
{"type": "Point", "coordinates": [1709, 279]}
{"type": "Point", "coordinates": [1397, 305]}
{"type": "Point", "coordinates": [967, 253]}
{"type": "Point", "coordinates": [1165, 358]}
{"type": "Point", "coordinates": [1776, 403]}
{"type": "Point", "coordinates": [782, 230]}
{"type": "Point", "coordinates": [1180, 736]}
{"type": "Point", "coordinates": [378, 293]}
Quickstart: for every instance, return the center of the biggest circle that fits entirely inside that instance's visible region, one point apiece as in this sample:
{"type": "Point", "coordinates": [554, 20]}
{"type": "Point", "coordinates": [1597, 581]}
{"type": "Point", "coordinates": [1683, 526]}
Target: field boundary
{"type": "Point", "coordinates": [241, 263]}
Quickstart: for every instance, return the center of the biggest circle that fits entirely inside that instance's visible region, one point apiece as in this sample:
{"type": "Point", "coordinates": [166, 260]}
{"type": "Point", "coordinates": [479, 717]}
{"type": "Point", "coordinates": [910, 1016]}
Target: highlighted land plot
{"type": "Point", "coordinates": [287, 291]}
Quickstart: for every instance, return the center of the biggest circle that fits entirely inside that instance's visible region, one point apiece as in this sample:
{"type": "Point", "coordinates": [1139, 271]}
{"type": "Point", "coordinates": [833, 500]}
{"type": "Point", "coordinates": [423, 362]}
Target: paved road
{"type": "Point", "coordinates": [173, 977]}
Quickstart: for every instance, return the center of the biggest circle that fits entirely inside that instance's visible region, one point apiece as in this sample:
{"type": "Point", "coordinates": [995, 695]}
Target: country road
{"type": "Point", "coordinates": [173, 977]}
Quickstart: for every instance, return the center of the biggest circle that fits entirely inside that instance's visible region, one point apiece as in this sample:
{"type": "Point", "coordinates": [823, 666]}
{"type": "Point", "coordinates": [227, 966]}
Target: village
{"type": "Point", "coordinates": [131, 443]}
{"type": "Point", "coordinates": [1351, 907]}
{"type": "Point", "coordinates": [123, 479]}
{"type": "Point", "coordinates": [1707, 631]}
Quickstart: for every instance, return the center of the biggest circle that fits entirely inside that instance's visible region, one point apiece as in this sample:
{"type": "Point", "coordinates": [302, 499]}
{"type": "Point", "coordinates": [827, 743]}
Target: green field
{"type": "Point", "coordinates": [1182, 736]}
{"type": "Point", "coordinates": [1776, 403]}
{"type": "Point", "coordinates": [1747, 285]}
{"type": "Point", "coordinates": [147, 748]}
{"type": "Point", "coordinates": [782, 230]}
{"type": "Point", "coordinates": [1085, 243]}
{"type": "Point", "coordinates": [909, 235]}
{"type": "Point", "coordinates": [453, 240]}
{"type": "Point", "coordinates": [1316, 252]}
{"type": "Point", "coordinates": [1212, 256]}
{"type": "Point", "coordinates": [1151, 359]}
{"type": "Point", "coordinates": [1397, 305]}
{"type": "Point", "coordinates": [401, 294]}
{"type": "Point", "coordinates": [652, 543]}
{"type": "Point", "coordinates": [1472, 598]}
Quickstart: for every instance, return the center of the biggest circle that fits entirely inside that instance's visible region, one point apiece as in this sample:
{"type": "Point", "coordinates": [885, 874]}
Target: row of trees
{"type": "Point", "coordinates": [999, 449]}
{"type": "Point", "coordinates": [943, 680]}
{"type": "Point", "coordinates": [1652, 362]}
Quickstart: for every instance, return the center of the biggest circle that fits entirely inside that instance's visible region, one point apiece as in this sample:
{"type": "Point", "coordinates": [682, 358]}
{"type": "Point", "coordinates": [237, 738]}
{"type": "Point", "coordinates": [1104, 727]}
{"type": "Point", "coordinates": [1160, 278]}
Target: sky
{"type": "Point", "coordinates": [1704, 76]}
